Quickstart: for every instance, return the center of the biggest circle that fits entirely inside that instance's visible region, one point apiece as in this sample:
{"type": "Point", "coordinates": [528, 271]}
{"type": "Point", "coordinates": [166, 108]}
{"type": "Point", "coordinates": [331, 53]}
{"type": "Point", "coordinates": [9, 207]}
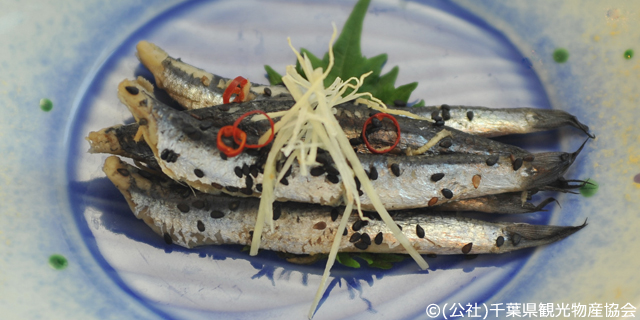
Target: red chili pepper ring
{"type": "Point", "coordinates": [233, 88]}
{"type": "Point", "coordinates": [255, 146]}
{"type": "Point", "coordinates": [380, 116]}
{"type": "Point", "coordinates": [228, 131]}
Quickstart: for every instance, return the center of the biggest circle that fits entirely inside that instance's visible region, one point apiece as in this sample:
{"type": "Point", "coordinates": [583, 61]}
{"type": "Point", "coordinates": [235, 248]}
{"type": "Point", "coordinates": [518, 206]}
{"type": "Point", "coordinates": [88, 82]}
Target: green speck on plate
{"type": "Point", "coordinates": [561, 55]}
{"type": "Point", "coordinates": [628, 54]}
{"type": "Point", "coordinates": [589, 189]}
{"type": "Point", "coordinates": [58, 262]}
{"type": "Point", "coordinates": [46, 104]}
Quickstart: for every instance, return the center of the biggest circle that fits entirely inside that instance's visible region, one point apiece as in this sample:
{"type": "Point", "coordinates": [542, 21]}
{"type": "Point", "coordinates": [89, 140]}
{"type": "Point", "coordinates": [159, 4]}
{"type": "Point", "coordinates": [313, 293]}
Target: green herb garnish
{"type": "Point", "coordinates": [349, 62]}
{"type": "Point", "coordinates": [374, 260]}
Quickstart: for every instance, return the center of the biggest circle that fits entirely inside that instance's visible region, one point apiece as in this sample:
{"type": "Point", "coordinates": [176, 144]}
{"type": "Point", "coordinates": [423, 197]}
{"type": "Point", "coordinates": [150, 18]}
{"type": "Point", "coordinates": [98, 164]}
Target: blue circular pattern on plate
{"type": "Point", "coordinates": [455, 57]}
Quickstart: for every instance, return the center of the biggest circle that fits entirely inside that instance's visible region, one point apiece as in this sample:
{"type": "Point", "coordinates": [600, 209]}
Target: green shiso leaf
{"type": "Point", "coordinates": [346, 259]}
{"type": "Point", "coordinates": [349, 62]}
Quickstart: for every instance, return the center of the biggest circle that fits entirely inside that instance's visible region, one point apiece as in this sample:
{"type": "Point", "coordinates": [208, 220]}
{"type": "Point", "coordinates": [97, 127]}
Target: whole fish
{"type": "Point", "coordinates": [119, 140]}
{"type": "Point", "coordinates": [193, 219]}
{"type": "Point", "coordinates": [188, 154]}
{"type": "Point", "coordinates": [490, 122]}
{"type": "Point", "coordinates": [352, 117]}
{"type": "Point", "coordinates": [193, 88]}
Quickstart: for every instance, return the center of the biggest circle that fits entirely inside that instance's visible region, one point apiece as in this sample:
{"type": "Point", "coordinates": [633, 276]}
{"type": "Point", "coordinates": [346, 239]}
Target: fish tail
{"type": "Point", "coordinates": [522, 235]}
{"type": "Point", "coordinates": [551, 119]}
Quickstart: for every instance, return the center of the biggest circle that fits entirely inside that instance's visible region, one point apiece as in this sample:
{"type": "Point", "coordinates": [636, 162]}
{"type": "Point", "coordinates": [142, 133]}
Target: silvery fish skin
{"type": "Point", "coordinates": [190, 220]}
{"type": "Point", "coordinates": [118, 140]}
{"type": "Point", "coordinates": [193, 88]}
{"type": "Point", "coordinates": [490, 122]}
{"type": "Point", "coordinates": [414, 133]}
{"type": "Point", "coordinates": [190, 155]}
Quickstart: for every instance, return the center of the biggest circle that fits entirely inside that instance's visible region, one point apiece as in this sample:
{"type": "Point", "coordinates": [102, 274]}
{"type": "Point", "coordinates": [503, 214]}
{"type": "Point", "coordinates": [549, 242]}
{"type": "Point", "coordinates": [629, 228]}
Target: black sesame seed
{"type": "Point", "coordinates": [200, 226]}
{"type": "Point", "coordinates": [331, 170]}
{"type": "Point", "coordinates": [198, 173]}
{"type": "Point", "coordinates": [145, 174]}
{"type": "Point", "coordinates": [288, 173]}
{"type": "Point", "coordinates": [515, 239]}
{"type": "Point", "coordinates": [399, 103]}
{"type": "Point", "coordinates": [492, 160]}
{"type": "Point", "coordinates": [419, 231]}
{"type": "Point", "coordinates": [284, 181]}
{"type": "Point", "coordinates": [133, 90]}
{"type": "Point", "coordinates": [223, 156]}
{"type": "Point", "coordinates": [378, 238]}
{"type": "Point", "coordinates": [253, 170]}
{"type": "Point", "coordinates": [467, 248]}
{"type": "Point", "coordinates": [366, 239]}
{"type": "Point", "coordinates": [198, 204]}
{"type": "Point", "coordinates": [529, 158]}
{"type": "Point", "coordinates": [358, 185]}
{"type": "Point", "coordinates": [395, 169]}
{"type": "Point", "coordinates": [165, 154]}
{"type": "Point", "coordinates": [334, 214]}
{"type": "Point", "coordinates": [216, 214]}
{"type": "Point", "coordinates": [267, 92]}
{"type": "Point", "coordinates": [124, 172]}
{"type": "Point", "coordinates": [446, 115]}
{"type": "Point", "coordinates": [333, 179]}
{"type": "Point", "coordinates": [376, 123]}
{"type": "Point", "coordinates": [206, 124]}
{"type": "Point", "coordinates": [143, 122]}
{"type": "Point", "coordinates": [447, 193]}
{"type": "Point", "coordinates": [216, 185]}
{"type": "Point", "coordinates": [245, 169]}
{"type": "Point", "coordinates": [345, 232]}
{"type": "Point", "coordinates": [499, 241]}
{"type": "Point", "coordinates": [517, 164]}
{"type": "Point", "coordinates": [373, 173]}
{"type": "Point", "coordinates": [173, 157]}
{"type": "Point", "coordinates": [470, 115]}
{"type": "Point", "coordinates": [437, 177]}
{"type": "Point", "coordinates": [233, 206]}
{"type": "Point", "coordinates": [259, 187]}
{"type": "Point", "coordinates": [399, 226]}
{"type": "Point", "coordinates": [317, 171]}
{"type": "Point", "coordinates": [355, 141]}
{"type": "Point", "coordinates": [358, 225]}
{"type": "Point", "coordinates": [435, 114]}
{"type": "Point", "coordinates": [224, 107]}
{"type": "Point", "coordinates": [231, 188]}
{"type": "Point", "coordinates": [437, 119]}
{"type": "Point", "coordinates": [183, 207]}
{"type": "Point", "coordinates": [355, 237]}
{"type": "Point", "coordinates": [277, 211]}
{"type": "Point", "coordinates": [360, 193]}
{"type": "Point", "coordinates": [446, 143]}
{"type": "Point", "coordinates": [249, 182]}
{"type": "Point", "coordinates": [238, 171]}
{"type": "Point", "coordinates": [445, 107]}
{"type": "Point", "coordinates": [361, 244]}
{"type": "Point", "coordinates": [167, 239]}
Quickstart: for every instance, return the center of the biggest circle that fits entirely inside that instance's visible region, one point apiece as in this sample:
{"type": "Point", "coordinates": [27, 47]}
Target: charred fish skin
{"type": "Point", "coordinates": [120, 140]}
{"type": "Point", "coordinates": [403, 182]}
{"type": "Point", "coordinates": [192, 87]}
{"type": "Point", "coordinates": [191, 220]}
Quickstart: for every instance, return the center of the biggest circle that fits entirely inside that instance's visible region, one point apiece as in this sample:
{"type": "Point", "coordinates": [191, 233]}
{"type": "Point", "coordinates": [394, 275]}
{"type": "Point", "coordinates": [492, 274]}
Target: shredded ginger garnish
{"type": "Point", "coordinates": [309, 125]}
